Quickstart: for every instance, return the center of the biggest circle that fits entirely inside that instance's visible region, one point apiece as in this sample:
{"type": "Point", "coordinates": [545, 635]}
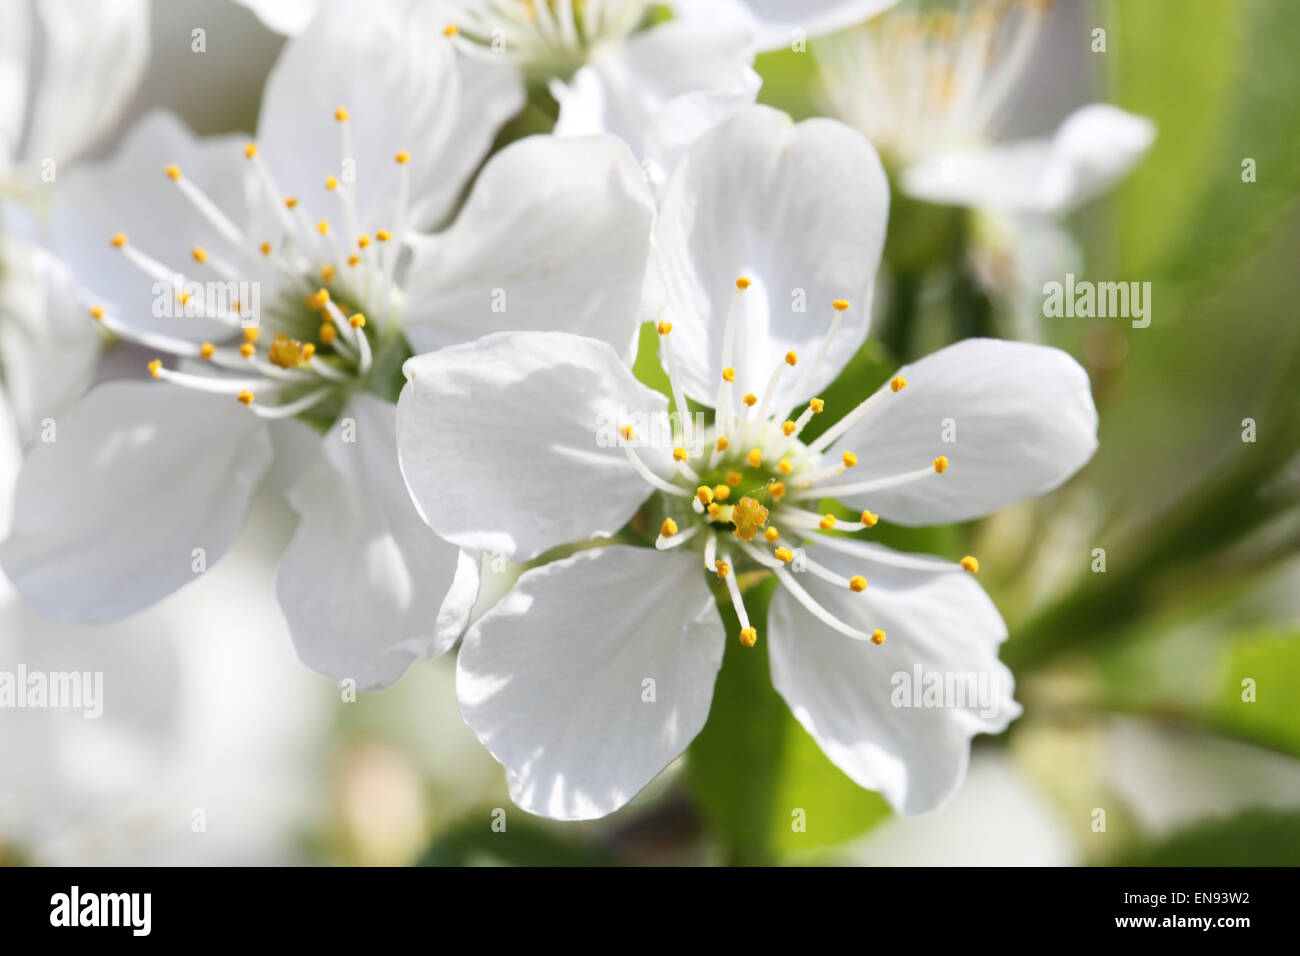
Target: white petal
{"type": "Point", "coordinates": [15, 58]}
{"type": "Point", "coordinates": [509, 444]}
{"type": "Point", "coordinates": [10, 460]}
{"type": "Point", "coordinates": [405, 89]}
{"type": "Point", "coordinates": [849, 694]}
{"type": "Point", "coordinates": [366, 587]}
{"type": "Point", "coordinates": [289, 17]}
{"type": "Point", "coordinates": [1094, 147]}
{"type": "Point", "coordinates": [800, 211]}
{"type": "Point", "coordinates": [92, 60]}
{"type": "Point", "coordinates": [48, 344]}
{"type": "Point", "coordinates": [108, 517]}
{"type": "Point", "coordinates": [131, 194]}
{"type": "Point", "coordinates": [554, 679]}
{"type": "Point", "coordinates": [660, 90]}
{"type": "Point", "coordinates": [1023, 421]}
{"type": "Point", "coordinates": [780, 23]}
{"type": "Point", "coordinates": [554, 235]}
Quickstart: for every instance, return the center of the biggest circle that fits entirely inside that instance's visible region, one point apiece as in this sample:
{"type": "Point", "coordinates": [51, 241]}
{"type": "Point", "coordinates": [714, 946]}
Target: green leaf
{"type": "Point", "coordinates": [758, 778]}
{"type": "Point", "coordinates": [1258, 838]}
{"type": "Point", "coordinates": [1270, 661]}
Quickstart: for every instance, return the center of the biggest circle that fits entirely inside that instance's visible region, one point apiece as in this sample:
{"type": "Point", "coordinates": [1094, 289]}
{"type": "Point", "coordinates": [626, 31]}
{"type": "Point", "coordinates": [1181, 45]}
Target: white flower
{"type": "Point", "coordinates": [781, 23]}
{"type": "Point", "coordinates": [932, 90]}
{"type": "Point", "coordinates": [371, 127]}
{"type": "Point", "coordinates": [67, 67]}
{"type": "Point", "coordinates": [553, 679]}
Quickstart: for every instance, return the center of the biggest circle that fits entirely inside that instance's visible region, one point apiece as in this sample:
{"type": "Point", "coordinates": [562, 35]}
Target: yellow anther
{"type": "Point", "coordinates": [250, 150]}
{"type": "Point", "coordinates": [668, 528]}
{"type": "Point", "coordinates": [784, 554]}
{"type": "Point", "coordinates": [285, 352]}
{"type": "Point", "coordinates": [792, 358]}
{"type": "Point", "coordinates": [777, 490]}
{"type": "Point", "coordinates": [857, 583]}
{"type": "Point", "coordinates": [749, 636]}
{"type": "Point", "coordinates": [728, 374]}
{"type": "Point", "coordinates": [383, 235]}
{"type": "Point", "coordinates": [898, 383]}
{"type": "Point", "coordinates": [817, 405]}
{"type": "Point", "coordinates": [328, 334]}
{"type": "Point", "coordinates": [322, 296]}
{"type": "Point", "coordinates": [748, 516]}
{"type": "Point", "coordinates": [628, 432]}
{"type": "Point", "coordinates": [877, 637]}
{"type": "Point", "coordinates": [363, 241]}
{"type": "Point", "coordinates": [680, 453]}
{"type": "Point", "coordinates": [183, 298]}
{"type": "Point", "coordinates": [722, 568]}
{"type": "Point", "coordinates": [755, 457]}
{"type": "Point", "coordinates": [742, 283]}
{"type": "Point", "coordinates": [402, 158]}
{"type": "Point", "coordinates": [266, 248]}
{"type": "Point", "coordinates": [244, 398]}
{"type": "Point", "coordinates": [715, 511]}
{"type": "Point", "coordinates": [353, 260]}
{"type": "Point", "coordinates": [173, 173]}
{"type": "Point", "coordinates": [840, 305]}
{"type": "Point", "coordinates": [290, 202]}
{"type": "Point", "coordinates": [850, 460]}
{"type": "Point", "coordinates": [941, 464]}
{"type": "Point", "coordinates": [247, 349]}
{"type": "Point", "coordinates": [664, 328]}
{"type": "Point", "coordinates": [450, 30]}
{"type": "Point", "coordinates": [118, 240]}
{"type": "Point", "coordinates": [200, 254]}
{"type": "Point", "coordinates": [722, 443]}
{"type": "Point", "coordinates": [96, 313]}
{"type": "Point", "coordinates": [751, 399]}
{"type": "Point", "coordinates": [155, 368]}
{"type": "Point", "coordinates": [357, 321]}
{"type": "Point", "coordinates": [734, 478]}
{"type": "Point", "coordinates": [869, 519]}
{"type": "Point", "coordinates": [252, 334]}
{"type": "Point", "coordinates": [784, 466]}
{"type": "Point", "coordinates": [788, 428]}
{"type": "Point", "coordinates": [705, 494]}
{"type": "Point", "coordinates": [827, 522]}
{"type": "Point", "coordinates": [309, 351]}
{"type": "Point", "coordinates": [721, 492]}
{"type": "Point", "coordinates": [341, 115]}
{"type": "Point", "coordinates": [971, 564]}
{"type": "Point", "coordinates": [323, 227]}
{"type": "Point", "coordinates": [207, 350]}
{"type": "Point", "coordinates": [771, 534]}
{"type": "Point", "coordinates": [327, 273]}
{"type": "Point", "coordinates": [331, 183]}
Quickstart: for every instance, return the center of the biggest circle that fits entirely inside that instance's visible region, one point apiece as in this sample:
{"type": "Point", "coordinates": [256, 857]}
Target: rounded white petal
{"type": "Point", "coordinates": [555, 235]}
{"type": "Point", "coordinates": [510, 444]}
{"type": "Point", "coordinates": [144, 487]}
{"type": "Point", "coordinates": [660, 90]}
{"type": "Point", "coordinates": [15, 57]}
{"type": "Point", "coordinates": [130, 194]}
{"type": "Point", "coordinates": [781, 23]}
{"type": "Point", "coordinates": [1014, 420]}
{"type": "Point", "coordinates": [591, 676]}
{"type": "Point", "coordinates": [404, 88]}
{"type": "Point", "coordinates": [1093, 148]}
{"type": "Point", "coordinates": [865, 704]}
{"type": "Point", "coordinates": [289, 17]}
{"type": "Point", "coordinates": [366, 587]}
{"type": "Point", "coordinates": [92, 59]}
{"type": "Point", "coordinates": [798, 210]}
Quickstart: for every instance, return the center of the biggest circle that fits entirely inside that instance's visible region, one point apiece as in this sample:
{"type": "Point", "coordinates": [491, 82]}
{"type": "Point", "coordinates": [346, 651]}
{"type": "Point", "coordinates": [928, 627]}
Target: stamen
{"type": "Point", "coordinates": [676, 540]}
{"type": "Point", "coordinates": [291, 409]}
{"type": "Point", "coordinates": [651, 477]}
{"type": "Point", "coordinates": [748, 634]}
{"type": "Point", "coordinates": [874, 484]}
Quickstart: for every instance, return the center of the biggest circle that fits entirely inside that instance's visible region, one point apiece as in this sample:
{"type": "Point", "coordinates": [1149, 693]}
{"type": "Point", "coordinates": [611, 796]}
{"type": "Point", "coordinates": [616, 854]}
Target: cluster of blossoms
{"type": "Point", "coordinates": [416, 336]}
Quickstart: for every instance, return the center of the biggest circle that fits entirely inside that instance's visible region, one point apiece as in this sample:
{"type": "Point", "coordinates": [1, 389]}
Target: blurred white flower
{"type": "Point", "coordinates": [553, 678]}
{"type": "Point", "coordinates": [374, 123]}
{"type": "Point", "coordinates": [931, 91]}
{"type": "Point", "coordinates": [67, 67]}
{"type": "Point", "coordinates": [775, 24]}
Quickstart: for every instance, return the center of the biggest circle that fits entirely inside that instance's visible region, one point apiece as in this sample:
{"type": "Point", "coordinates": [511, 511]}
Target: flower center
{"type": "Point", "coordinates": [737, 495]}
{"type": "Point", "coordinates": [314, 345]}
